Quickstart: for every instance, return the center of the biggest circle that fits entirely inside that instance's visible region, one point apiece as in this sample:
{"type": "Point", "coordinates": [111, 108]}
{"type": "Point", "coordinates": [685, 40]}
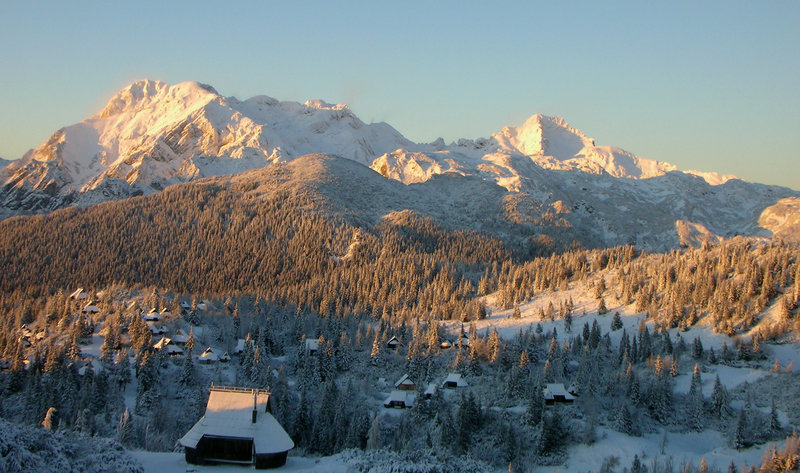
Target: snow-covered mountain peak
{"type": "Point", "coordinates": [323, 105]}
{"type": "Point", "coordinates": [147, 93]}
{"type": "Point", "coordinates": [543, 135]}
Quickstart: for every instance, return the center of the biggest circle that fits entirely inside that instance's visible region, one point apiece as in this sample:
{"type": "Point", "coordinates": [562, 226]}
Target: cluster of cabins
{"type": "Point", "coordinates": [404, 394]}
{"type": "Point", "coordinates": [175, 345]}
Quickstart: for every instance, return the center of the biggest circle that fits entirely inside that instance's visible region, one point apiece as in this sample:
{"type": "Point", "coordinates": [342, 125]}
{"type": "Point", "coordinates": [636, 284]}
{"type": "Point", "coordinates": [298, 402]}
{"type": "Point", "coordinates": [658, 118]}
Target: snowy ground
{"type": "Point", "coordinates": [688, 447]}
{"type": "Point", "coordinates": [681, 446]}
{"type": "Point", "coordinates": [158, 462]}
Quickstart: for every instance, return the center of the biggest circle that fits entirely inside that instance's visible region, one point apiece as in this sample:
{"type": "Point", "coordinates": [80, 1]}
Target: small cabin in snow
{"type": "Point", "coordinates": [405, 384]}
{"type": "Point", "coordinates": [180, 338]}
{"type": "Point", "coordinates": [238, 427]}
{"type": "Point", "coordinates": [156, 329]}
{"type": "Point", "coordinates": [79, 295]}
{"type": "Point", "coordinates": [91, 309]}
{"type": "Point", "coordinates": [393, 343]}
{"type": "Point", "coordinates": [430, 391]}
{"type": "Point", "coordinates": [312, 345]}
{"type": "Point", "coordinates": [556, 392]}
{"type": "Point", "coordinates": [168, 344]}
{"type": "Point", "coordinates": [400, 398]}
{"type": "Point", "coordinates": [454, 380]}
{"type": "Point", "coordinates": [208, 356]}
{"type": "Point", "coordinates": [239, 348]}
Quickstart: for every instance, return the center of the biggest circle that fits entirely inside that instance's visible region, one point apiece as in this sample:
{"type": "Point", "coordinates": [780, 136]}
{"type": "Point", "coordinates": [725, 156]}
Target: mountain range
{"type": "Point", "coordinates": [542, 178]}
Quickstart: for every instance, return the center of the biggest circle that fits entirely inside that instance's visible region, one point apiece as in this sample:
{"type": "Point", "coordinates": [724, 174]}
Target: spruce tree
{"type": "Point", "coordinates": [533, 415]}
{"type": "Point", "coordinates": [740, 434]}
{"type": "Point", "coordinates": [623, 420]}
{"type": "Point", "coordinates": [125, 430]}
{"type": "Point", "coordinates": [616, 322]}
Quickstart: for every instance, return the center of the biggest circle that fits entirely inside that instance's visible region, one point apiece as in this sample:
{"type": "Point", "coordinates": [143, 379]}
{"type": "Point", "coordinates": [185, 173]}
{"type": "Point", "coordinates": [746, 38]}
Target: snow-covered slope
{"type": "Point", "coordinates": [596, 210]}
{"type": "Point", "coordinates": [543, 176]}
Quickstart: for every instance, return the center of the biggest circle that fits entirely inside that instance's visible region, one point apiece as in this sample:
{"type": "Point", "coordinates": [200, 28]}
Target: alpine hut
{"type": "Point", "coordinates": [454, 380]}
{"type": "Point", "coordinates": [238, 427]}
{"type": "Point", "coordinates": [556, 392]}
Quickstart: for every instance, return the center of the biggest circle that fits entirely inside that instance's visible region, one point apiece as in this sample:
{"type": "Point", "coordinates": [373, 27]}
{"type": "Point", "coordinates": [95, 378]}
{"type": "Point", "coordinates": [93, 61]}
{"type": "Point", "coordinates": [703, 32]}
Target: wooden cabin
{"type": "Point", "coordinates": [405, 384]}
{"type": "Point", "coordinates": [208, 356]}
{"type": "Point", "coordinates": [312, 345]}
{"type": "Point", "coordinates": [393, 343]}
{"type": "Point", "coordinates": [454, 380]}
{"type": "Point", "coordinates": [401, 399]}
{"type": "Point", "coordinates": [166, 343]}
{"type": "Point", "coordinates": [238, 427]}
{"type": "Point", "coordinates": [557, 393]}
{"type": "Point", "coordinates": [180, 338]}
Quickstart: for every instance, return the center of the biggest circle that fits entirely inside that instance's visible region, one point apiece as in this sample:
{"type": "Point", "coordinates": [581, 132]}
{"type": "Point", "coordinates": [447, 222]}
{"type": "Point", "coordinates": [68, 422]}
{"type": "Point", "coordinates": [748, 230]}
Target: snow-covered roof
{"type": "Point", "coordinates": [167, 343]}
{"type": "Point", "coordinates": [393, 341]}
{"type": "Point", "coordinates": [312, 344]}
{"type": "Point", "coordinates": [554, 390]}
{"type": "Point", "coordinates": [91, 309]}
{"type": "Point", "coordinates": [404, 381]}
{"type": "Point", "coordinates": [430, 390]}
{"type": "Point", "coordinates": [209, 355]}
{"type": "Point", "coordinates": [455, 378]}
{"type": "Point", "coordinates": [229, 414]}
{"type": "Point", "coordinates": [180, 337]}
{"type": "Point", "coordinates": [79, 294]}
{"type": "Point", "coordinates": [156, 329]}
{"type": "Point", "coordinates": [397, 396]}
{"type": "Point", "coordinates": [162, 343]}
{"type": "Point", "coordinates": [239, 346]}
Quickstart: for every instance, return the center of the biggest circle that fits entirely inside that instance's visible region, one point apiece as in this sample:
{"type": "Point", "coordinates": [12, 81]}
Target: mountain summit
{"type": "Point", "coordinates": [151, 135]}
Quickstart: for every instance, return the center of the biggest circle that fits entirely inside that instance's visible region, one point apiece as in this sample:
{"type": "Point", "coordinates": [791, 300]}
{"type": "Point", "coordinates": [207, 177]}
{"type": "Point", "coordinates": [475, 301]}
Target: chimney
{"type": "Point", "coordinates": [255, 404]}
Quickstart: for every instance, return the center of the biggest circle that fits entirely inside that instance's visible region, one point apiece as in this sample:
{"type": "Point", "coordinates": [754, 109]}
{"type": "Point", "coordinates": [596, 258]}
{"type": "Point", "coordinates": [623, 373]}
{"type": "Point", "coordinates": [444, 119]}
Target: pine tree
{"type": "Point", "coordinates": [374, 440]}
{"type": "Point", "coordinates": [696, 414]}
{"type": "Point", "coordinates": [697, 348]}
{"type": "Point", "coordinates": [51, 419]}
{"type": "Point", "coordinates": [301, 428]}
{"type": "Point", "coordinates": [190, 341]}
{"type": "Point", "coordinates": [720, 404]}
{"type": "Point", "coordinates": [187, 378]}
{"type": "Point", "coordinates": [623, 420]}
{"type": "Point", "coordinates": [494, 347]}
{"type": "Point", "coordinates": [553, 432]}
{"type": "Point", "coordinates": [740, 434]}
{"type": "Point", "coordinates": [774, 422]}
{"type": "Point", "coordinates": [510, 444]}
{"type": "Point", "coordinates": [125, 430]}
{"type": "Point", "coordinates": [533, 415]}
{"type": "Point", "coordinates": [616, 322]}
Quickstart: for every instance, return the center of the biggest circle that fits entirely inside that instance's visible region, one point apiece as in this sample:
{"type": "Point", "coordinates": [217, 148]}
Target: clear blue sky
{"type": "Point", "coordinates": [705, 85]}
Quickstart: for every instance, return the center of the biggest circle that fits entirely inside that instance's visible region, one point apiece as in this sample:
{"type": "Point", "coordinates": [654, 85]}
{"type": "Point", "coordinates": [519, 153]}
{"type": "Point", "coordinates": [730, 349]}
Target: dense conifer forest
{"type": "Point", "coordinates": [282, 267]}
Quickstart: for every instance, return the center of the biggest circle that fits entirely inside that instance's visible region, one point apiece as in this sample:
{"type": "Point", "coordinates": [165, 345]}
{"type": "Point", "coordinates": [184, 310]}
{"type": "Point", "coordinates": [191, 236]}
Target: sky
{"type": "Point", "coordinates": [709, 85]}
